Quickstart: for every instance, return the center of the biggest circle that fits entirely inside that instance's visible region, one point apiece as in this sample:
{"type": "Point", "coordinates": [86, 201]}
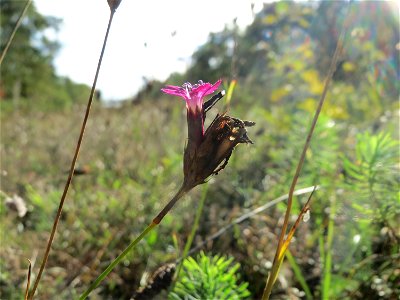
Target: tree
{"type": "Point", "coordinates": [27, 71]}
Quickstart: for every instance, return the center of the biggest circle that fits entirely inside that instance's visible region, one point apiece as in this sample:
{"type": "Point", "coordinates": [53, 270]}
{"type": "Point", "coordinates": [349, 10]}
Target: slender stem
{"type": "Point", "coordinates": [332, 68]}
{"type": "Point", "coordinates": [326, 278]}
{"type": "Point", "coordinates": [117, 261]}
{"type": "Point", "coordinates": [281, 255]}
{"type": "Point", "coordinates": [299, 275]}
{"type": "Point", "coordinates": [307, 143]}
{"type": "Point", "coordinates": [73, 163]}
{"type": "Point", "coordinates": [182, 191]}
{"type": "Point", "coordinates": [28, 281]}
{"type": "Point", "coordinates": [19, 21]}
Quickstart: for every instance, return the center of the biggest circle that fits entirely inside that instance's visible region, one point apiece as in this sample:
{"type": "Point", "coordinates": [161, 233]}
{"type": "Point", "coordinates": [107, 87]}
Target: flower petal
{"type": "Point", "coordinates": [207, 88]}
{"type": "Point", "coordinates": [176, 91]}
{"type": "Point", "coordinates": [193, 94]}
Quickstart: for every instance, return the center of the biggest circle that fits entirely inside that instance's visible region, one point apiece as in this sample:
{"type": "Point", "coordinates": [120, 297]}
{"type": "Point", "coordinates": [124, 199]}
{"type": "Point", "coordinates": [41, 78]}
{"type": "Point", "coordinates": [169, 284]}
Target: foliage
{"type": "Point", "coordinates": [27, 74]}
{"type": "Point", "coordinates": [374, 173]}
{"type": "Point", "coordinates": [372, 177]}
{"type": "Point", "coordinates": [209, 277]}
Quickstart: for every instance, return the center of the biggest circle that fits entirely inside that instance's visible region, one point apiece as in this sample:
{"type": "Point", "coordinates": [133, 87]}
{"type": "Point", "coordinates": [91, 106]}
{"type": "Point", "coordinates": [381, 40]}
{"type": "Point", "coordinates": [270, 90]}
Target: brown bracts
{"type": "Point", "coordinates": [213, 154]}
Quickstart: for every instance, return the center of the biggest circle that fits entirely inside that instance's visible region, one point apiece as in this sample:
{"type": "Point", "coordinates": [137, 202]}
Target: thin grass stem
{"type": "Point", "coordinates": [11, 37]}
{"type": "Point", "coordinates": [274, 272]}
{"type": "Point", "coordinates": [73, 163]}
{"type": "Point", "coordinates": [28, 280]}
{"type": "Point", "coordinates": [249, 215]}
{"type": "Point", "coordinates": [326, 283]}
{"type": "Point", "coordinates": [281, 255]}
{"type": "Point", "coordinates": [299, 275]}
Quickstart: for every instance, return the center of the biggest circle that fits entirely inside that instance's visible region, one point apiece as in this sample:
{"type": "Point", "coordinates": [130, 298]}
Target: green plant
{"type": "Point", "coordinates": [372, 174]}
{"type": "Point", "coordinates": [372, 180]}
{"type": "Point", "coordinates": [209, 277]}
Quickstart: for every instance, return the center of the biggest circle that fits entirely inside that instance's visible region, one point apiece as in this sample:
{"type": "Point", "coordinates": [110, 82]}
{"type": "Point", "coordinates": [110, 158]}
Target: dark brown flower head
{"type": "Point", "coordinates": [207, 152]}
{"type": "Point", "coordinates": [220, 138]}
{"type": "Point", "coordinates": [114, 4]}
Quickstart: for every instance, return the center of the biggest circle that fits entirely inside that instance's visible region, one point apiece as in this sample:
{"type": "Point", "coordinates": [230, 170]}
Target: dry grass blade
{"type": "Point", "coordinates": [19, 21]}
{"type": "Point", "coordinates": [28, 281]}
{"type": "Point", "coordinates": [73, 163]}
{"type": "Point", "coordinates": [277, 259]}
{"type": "Point", "coordinates": [290, 235]}
{"type": "Point", "coordinates": [249, 215]}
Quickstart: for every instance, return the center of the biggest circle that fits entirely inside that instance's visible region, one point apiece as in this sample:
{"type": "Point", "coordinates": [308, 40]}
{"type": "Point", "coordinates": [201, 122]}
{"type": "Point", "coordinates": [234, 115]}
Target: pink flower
{"type": "Point", "coordinates": [207, 152]}
{"type": "Point", "coordinates": [194, 97]}
{"type": "Point", "coordinates": [193, 94]}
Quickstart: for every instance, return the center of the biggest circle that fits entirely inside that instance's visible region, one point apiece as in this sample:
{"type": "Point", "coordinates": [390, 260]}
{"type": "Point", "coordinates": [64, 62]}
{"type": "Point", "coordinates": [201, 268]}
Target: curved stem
{"type": "Point", "coordinates": [73, 163]}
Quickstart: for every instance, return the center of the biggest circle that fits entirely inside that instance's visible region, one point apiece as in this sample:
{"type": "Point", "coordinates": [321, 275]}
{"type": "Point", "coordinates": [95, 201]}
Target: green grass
{"type": "Point", "coordinates": [134, 157]}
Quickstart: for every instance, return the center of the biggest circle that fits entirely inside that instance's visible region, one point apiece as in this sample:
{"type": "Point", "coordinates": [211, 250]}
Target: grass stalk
{"type": "Point", "coordinates": [321, 242]}
{"type": "Point", "coordinates": [327, 275]}
{"type": "Point", "coordinates": [278, 257]}
{"type": "Point", "coordinates": [28, 280]}
{"type": "Point", "coordinates": [285, 245]}
{"type": "Point", "coordinates": [299, 275]}
{"type": "Point", "coordinates": [251, 214]}
{"type": "Point", "coordinates": [73, 163]}
{"type": "Point", "coordinates": [17, 24]}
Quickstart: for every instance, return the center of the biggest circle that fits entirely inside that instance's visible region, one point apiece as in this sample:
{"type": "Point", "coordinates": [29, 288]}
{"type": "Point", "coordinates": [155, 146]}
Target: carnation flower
{"type": "Point", "coordinates": [194, 97]}
{"type": "Point", "coordinates": [207, 151]}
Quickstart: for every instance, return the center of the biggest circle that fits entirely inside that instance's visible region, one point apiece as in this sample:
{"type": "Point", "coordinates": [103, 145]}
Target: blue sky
{"type": "Point", "coordinates": [147, 38]}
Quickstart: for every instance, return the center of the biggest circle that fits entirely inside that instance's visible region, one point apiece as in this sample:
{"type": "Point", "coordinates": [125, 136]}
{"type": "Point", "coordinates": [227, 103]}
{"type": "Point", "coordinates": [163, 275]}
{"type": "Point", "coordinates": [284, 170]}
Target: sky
{"type": "Point", "coordinates": [148, 39]}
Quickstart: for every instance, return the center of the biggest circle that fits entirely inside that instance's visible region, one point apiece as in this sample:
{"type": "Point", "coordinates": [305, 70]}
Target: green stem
{"type": "Point", "coordinates": [117, 261]}
{"type": "Point", "coordinates": [299, 275]}
{"type": "Point", "coordinates": [328, 252]}
{"type": "Point", "coordinates": [182, 191]}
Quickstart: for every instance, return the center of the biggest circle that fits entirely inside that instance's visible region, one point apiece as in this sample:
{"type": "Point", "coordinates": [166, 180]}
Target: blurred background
{"type": "Point", "coordinates": [278, 54]}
